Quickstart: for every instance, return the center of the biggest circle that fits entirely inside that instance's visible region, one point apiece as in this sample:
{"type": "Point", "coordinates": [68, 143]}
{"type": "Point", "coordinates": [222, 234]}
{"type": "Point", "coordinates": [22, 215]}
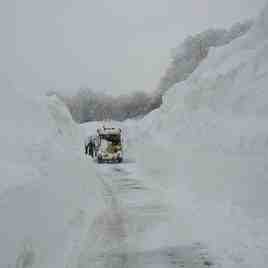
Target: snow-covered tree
{"type": "Point", "coordinates": [89, 105]}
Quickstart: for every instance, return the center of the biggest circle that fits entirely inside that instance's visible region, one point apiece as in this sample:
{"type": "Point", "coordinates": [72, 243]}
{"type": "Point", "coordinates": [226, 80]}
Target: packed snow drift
{"type": "Point", "coordinates": [49, 194]}
{"type": "Point", "coordinates": [208, 145]}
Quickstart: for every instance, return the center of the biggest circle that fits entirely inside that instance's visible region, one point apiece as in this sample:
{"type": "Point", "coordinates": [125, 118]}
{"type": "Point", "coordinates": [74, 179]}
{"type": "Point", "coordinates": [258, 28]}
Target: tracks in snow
{"type": "Point", "coordinates": [134, 208]}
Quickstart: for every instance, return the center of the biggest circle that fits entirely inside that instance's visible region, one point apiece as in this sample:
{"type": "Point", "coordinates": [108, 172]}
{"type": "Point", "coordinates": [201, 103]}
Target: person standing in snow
{"type": "Point", "coordinates": [90, 146]}
{"type": "Point", "coordinates": [87, 145]}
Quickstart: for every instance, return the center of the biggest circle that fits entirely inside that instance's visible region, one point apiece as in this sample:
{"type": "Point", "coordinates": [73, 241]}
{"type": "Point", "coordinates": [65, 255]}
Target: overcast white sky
{"type": "Point", "coordinates": [112, 45]}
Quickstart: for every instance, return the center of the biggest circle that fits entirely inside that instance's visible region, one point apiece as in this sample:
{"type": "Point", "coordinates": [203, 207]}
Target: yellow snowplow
{"type": "Point", "coordinates": [109, 145]}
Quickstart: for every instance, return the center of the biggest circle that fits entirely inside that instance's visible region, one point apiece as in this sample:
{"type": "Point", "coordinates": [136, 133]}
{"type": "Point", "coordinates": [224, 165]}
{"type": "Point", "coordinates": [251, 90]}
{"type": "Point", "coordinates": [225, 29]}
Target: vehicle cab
{"type": "Point", "coordinates": [109, 145]}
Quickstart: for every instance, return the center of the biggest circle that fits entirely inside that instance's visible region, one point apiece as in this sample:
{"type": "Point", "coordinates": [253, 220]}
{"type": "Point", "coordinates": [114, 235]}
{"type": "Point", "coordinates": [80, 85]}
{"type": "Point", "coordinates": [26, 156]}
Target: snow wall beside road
{"type": "Point", "coordinates": [209, 148]}
{"type": "Point", "coordinates": [49, 194]}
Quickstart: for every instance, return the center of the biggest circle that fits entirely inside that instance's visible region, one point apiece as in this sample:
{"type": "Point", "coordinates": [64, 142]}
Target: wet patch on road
{"type": "Point", "coordinates": [135, 207]}
{"type": "Point", "coordinates": [129, 184]}
{"type": "Point", "coordinates": [191, 256]}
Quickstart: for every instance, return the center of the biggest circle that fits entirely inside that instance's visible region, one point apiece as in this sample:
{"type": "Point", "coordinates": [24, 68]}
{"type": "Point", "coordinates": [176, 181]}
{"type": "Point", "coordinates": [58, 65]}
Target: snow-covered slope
{"type": "Point", "coordinates": [49, 194]}
{"type": "Point", "coordinates": [192, 51]}
{"type": "Point", "coordinates": [208, 145]}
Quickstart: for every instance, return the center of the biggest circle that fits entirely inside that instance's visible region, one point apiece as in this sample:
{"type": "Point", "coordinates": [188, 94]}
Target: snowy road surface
{"type": "Point", "coordinates": [134, 213]}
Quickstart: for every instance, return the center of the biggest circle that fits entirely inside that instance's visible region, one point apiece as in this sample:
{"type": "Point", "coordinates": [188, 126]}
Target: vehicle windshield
{"type": "Point", "coordinates": [116, 139]}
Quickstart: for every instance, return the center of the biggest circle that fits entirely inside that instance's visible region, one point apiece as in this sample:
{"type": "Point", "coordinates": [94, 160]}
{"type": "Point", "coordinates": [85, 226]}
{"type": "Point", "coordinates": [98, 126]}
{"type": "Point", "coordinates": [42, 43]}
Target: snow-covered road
{"type": "Point", "coordinates": [135, 213]}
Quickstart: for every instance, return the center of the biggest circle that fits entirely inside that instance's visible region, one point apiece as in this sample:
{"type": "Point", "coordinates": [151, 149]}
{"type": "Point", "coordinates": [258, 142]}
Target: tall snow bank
{"type": "Point", "coordinates": [49, 194]}
{"type": "Point", "coordinates": [231, 85]}
{"type": "Point", "coordinates": [188, 55]}
{"type": "Point", "coordinates": [209, 148]}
